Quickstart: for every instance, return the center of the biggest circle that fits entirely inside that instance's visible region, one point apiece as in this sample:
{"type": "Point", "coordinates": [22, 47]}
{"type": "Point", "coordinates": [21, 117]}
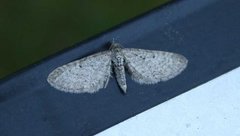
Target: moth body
{"type": "Point", "coordinates": [118, 65]}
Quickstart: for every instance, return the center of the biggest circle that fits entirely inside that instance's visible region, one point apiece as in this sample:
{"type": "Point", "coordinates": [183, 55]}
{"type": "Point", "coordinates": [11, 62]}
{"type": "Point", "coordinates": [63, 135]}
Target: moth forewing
{"type": "Point", "coordinates": [86, 75]}
{"type": "Point", "coordinates": [150, 66]}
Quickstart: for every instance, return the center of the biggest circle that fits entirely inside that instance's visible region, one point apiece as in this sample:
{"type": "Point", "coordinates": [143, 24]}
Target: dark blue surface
{"type": "Point", "coordinates": [206, 32]}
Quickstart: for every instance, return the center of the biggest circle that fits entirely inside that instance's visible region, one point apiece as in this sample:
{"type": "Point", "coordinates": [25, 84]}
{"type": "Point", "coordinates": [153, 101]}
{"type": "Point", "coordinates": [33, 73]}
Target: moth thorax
{"type": "Point", "coordinates": [118, 60]}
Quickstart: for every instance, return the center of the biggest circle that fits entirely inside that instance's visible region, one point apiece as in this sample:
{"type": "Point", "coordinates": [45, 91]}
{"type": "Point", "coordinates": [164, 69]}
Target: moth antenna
{"type": "Point", "coordinates": [113, 40]}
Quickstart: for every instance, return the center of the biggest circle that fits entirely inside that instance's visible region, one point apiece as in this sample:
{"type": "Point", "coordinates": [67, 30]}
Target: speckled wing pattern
{"type": "Point", "coordinates": [88, 74]}
{"type": "Point", "coordinates": [150, 67]}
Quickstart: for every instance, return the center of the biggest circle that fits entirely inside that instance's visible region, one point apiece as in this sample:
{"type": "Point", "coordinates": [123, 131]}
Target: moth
{"type": "Point", "coordinates": [92, 73]}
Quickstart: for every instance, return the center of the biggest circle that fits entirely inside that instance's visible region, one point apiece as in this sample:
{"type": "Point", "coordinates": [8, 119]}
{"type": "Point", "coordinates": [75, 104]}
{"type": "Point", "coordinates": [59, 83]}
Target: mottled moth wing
{"type": "Point", "coordinates": [88, 74]}
{"type": "Point", "coordinates": [150, 67]}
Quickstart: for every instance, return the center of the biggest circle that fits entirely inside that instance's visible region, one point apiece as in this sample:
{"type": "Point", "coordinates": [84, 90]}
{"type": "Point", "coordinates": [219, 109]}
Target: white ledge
{"type": "Point", "coordinates": [212, 109]}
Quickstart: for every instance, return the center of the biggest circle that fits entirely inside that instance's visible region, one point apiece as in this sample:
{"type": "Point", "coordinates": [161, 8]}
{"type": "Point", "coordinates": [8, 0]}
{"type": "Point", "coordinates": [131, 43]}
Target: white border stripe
{"type": "Point", "coordinates": [212, 109]}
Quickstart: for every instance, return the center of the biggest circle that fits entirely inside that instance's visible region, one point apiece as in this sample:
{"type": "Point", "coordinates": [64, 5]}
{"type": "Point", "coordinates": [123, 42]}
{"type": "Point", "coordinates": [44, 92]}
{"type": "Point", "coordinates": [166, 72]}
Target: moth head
{"type": "Point", "coordinates": [115, 46]}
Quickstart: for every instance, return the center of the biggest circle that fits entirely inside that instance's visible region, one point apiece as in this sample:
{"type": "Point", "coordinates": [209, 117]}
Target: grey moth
{"type": "Point", "coordinates": [92, 73]}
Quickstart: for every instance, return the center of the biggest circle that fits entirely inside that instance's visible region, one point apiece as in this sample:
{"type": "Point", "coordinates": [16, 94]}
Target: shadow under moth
{"type": "Point", "coordinates": [92, 73]}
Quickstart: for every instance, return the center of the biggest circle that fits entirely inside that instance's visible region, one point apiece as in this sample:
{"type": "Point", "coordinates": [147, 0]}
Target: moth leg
{"type": "Point", "coordinates": [109, 75]}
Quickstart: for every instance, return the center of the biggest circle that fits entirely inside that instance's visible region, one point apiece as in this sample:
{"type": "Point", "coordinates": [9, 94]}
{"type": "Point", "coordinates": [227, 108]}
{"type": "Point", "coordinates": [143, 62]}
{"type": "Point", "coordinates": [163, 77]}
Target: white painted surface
{"type": "Point", "coordinates": [212, 109]}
